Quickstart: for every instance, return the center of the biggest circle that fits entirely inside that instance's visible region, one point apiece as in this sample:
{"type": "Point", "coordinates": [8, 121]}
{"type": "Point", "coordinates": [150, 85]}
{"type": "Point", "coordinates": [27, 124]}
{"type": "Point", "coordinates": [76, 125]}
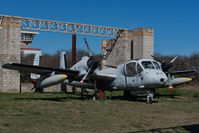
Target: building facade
{"type": "Point", "coordinates": [132, 44]}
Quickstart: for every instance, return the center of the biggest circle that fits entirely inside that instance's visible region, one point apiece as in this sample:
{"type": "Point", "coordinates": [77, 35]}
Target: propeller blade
{"type": "Point", "coordinates": [89, 51]}
{"type": "Point", "coordinates": [156, 59]}
{"type": "Point", "coordinates": [174, 59]}
{"type": "Point", "coordinates": [32, 89]}
{"type": "Point", "coordinates": [85, 76]}
{"type": "Point", "coordinates": [34, 84]}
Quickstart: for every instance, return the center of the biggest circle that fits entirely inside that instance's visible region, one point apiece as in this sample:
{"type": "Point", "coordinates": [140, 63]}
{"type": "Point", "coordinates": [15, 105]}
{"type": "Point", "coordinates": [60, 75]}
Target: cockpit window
{"type": "Point", "coordinates": [148, 65]}
{"type": "Point", "coordinates": [131, 69]}
{"type": "Point", "coordinates": [156, 65]}
{"type": "Point", "coordinates": [139, 68]}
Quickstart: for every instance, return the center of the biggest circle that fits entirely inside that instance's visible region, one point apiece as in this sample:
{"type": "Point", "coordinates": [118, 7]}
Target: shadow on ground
{"type": "Point", "coordinates": [135, 98]}
{"type": "Point", "coordinates": [188, 128]}
{"type": "Point", "coordinates": [86, 96]}
{"type": "Point", "coordinates": [57, 98]}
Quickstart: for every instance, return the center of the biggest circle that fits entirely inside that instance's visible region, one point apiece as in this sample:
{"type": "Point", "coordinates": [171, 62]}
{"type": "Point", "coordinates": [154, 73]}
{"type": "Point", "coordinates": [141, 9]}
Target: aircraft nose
{"type": "Point", "coordinates": [162, 80]}
{"type": "Point", "coordinates": [157, 79]}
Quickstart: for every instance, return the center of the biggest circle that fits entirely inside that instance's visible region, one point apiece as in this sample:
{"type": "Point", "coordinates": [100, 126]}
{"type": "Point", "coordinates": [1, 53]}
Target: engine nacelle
{"type": "Point", "coordinates": [52, 80]}
{"type": "Point", "coordinates": [177, 81]}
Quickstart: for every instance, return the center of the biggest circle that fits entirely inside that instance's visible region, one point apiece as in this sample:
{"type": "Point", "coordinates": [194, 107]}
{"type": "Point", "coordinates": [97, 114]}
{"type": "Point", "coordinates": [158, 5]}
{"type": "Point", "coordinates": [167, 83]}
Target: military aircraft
{"type": "Point", "coordinates": [134, 77]}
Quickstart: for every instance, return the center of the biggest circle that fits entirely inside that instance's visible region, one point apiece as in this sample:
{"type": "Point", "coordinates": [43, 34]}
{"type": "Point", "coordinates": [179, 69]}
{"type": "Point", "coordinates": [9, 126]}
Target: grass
{"type": "Point", "coordinates": [173, 111]}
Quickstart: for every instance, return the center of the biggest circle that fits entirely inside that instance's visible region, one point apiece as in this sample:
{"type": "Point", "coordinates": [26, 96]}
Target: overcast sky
{"type": "Point", "coordinates": [175, 22]}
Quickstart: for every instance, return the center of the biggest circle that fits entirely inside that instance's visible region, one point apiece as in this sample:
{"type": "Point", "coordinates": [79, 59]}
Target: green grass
{"type": "Point", "coordinates": [173, 111]}
{"type": "Point", "coordinates": [177, 92]}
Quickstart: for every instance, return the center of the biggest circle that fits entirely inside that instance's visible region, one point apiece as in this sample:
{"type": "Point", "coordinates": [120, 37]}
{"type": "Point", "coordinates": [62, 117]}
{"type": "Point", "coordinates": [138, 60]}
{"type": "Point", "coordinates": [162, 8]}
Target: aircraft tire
{"type": "Point", "coordinates": [127, 95]}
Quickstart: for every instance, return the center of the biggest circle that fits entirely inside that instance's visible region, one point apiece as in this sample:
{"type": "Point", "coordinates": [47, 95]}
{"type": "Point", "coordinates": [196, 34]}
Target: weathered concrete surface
{"type": "Point", "coordinates": [10, 40]}
{"type": "Point", "coordinates": [135, 44]}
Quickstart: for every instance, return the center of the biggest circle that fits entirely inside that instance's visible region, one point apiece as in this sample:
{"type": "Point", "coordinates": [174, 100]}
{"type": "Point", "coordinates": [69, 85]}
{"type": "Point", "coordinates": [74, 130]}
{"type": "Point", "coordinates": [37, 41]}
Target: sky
{"type": "Point", "coordinates": [175, 22]}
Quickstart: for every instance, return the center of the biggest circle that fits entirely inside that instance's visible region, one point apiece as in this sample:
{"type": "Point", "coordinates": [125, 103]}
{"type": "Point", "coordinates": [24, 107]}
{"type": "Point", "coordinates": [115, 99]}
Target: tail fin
{"type": "Point", "coordinates": [63, 65]}
{"type": "Point", "coordinates": [63, 60]}
{"type": "Point", "coordinates": [36, 63]}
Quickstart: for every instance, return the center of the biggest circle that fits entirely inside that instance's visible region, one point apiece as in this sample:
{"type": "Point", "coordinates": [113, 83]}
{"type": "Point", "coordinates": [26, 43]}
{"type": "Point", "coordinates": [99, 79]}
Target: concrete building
{"type": "Point", "coordinates": [10, 40]}
{"type": "Point", "coordinates": [135, 44]}
{"type": "Point", "coordinates": [29, 51]}
{"type": "Point", "coordinates": [13, 42]}
{"type": "Point", "coordinates": [27, 38]}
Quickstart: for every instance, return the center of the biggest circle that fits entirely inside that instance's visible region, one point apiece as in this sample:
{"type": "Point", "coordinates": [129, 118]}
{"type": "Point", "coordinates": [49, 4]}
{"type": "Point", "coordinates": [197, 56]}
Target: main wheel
{"type": "Point", "coordinates": [127, 95]}
{"type": "Point", "coordinates": [150, 100]}
{"type": "Point", "coordinates": [95, 97]}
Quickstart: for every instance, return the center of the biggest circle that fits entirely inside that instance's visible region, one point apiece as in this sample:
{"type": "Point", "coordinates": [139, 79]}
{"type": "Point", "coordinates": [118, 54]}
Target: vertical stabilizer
{"type": "Point", "coordinates": [63, 66]}
{"type": "Point", "coordinates": [36, 63]}
{"type": "Point", "coordinates": [62, 60]}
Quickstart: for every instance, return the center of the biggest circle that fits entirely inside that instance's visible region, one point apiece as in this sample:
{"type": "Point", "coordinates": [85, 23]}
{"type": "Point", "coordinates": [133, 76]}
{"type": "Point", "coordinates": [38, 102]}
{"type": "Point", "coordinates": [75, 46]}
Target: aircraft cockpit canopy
{"type": "Point", "coordinates": [133, 68]}
{"type": "Point", "coordinates": [150, 65]}
{"type": "Point", "coordinates": [136, 67]}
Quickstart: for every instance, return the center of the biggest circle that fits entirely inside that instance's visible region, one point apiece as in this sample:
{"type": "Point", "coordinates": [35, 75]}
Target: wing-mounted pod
{"type": "Point", "coordinates": [52, 80]}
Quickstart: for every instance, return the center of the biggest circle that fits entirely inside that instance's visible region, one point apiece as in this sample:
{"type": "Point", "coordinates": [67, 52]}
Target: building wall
{"type": "Point", "coordinates": [25, 44]}
{"type": "Point", "coordinates": [29, 51]}
{"type": "Point", "coordinates": [10, 40]}
{"type": "Point", "coordinates": [135, 44]}
{"type": "Point", "coordinates": [143, 39]}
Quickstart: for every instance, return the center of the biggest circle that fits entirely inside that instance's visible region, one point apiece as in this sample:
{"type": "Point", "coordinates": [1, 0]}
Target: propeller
{"type": "Point", "coordinates": [91, 63]}
{"type": "Point", "coordinates": [34, 85]}
{"type": "Point", "coordinates": [165, 68]}
{"type": "Point", "coordinates": [85, 75]}
{"type": "Point", "coordinates": [89, 50]}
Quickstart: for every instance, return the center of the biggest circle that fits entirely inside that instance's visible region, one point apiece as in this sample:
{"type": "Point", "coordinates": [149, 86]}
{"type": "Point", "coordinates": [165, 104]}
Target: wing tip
{"type": "Point", "coordinates": [6, 64]}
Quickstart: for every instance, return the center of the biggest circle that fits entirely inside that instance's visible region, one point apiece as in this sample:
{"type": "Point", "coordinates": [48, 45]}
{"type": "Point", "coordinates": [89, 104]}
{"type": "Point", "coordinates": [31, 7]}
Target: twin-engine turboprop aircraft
{"type": "Point", "coordinates": [136, 76]}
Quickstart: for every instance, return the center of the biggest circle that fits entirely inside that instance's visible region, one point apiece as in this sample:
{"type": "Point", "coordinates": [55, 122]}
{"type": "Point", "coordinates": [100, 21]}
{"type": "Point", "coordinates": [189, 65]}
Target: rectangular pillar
{"type": "Point", "coordinates": [132, 44]}
{"type": "Point", "coordinates": [10, 40]}
{"type": "Point", "coordinates": [143, 46]}
{"type": "Point", "coordinates": [73, 49]}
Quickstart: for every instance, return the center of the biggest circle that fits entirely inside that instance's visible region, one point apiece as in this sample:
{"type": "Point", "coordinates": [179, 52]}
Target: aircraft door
{"type": "Point", "coordinates": [131, 75]}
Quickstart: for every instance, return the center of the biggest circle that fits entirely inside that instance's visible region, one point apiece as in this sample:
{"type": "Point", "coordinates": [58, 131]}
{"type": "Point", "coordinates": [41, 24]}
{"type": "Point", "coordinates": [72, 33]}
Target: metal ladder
{"type": "Point", "coordinates": [111, 43]}
{"type": "Point", "coordinates": [1, 20]}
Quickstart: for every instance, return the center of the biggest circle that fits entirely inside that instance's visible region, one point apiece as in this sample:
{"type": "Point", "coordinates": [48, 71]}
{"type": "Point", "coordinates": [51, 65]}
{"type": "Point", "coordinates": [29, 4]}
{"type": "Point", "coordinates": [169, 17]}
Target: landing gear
{"type": "Point", "coordinates": [127, 95]}
{"type": "Point", "coordinates": [40, 90]}
{"type": "Point", "coordinates": [95, 97]}
{"type": "Point", "coordinates": [98, 95]}
{"type": "Point", "coordinates": [149, 98]}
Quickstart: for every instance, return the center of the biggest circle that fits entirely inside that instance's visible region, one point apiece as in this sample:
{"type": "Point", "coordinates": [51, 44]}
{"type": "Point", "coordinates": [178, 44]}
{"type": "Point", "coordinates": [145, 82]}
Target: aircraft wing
{"type": "Point", "coordinates": [23, 68]}
{"type": "Point", "coordinates": [182, 72]}
{"type": "Point", "coordinates": [103, 76]}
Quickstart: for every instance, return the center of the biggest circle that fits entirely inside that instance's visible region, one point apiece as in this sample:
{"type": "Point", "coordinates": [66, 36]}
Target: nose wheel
{"type": "Point", "coordinates": [150, 98]}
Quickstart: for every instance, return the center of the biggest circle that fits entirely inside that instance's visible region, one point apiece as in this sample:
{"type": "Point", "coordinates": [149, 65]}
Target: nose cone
{"type": "Point", "coordinates": [176, 81]}
{"type": "Point", "coordinates": [155, 78]}
{"type": "Point", "coordinates": [189, 79]}
{"type": "Point", "coordinates": [64, 76]}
